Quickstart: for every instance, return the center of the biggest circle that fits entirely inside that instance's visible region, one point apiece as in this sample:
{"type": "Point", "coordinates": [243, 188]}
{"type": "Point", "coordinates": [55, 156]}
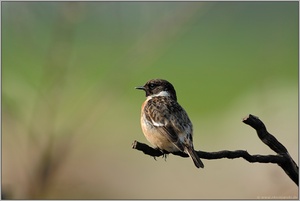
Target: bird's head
{"type": "Point", "coordinates": [159, 87]}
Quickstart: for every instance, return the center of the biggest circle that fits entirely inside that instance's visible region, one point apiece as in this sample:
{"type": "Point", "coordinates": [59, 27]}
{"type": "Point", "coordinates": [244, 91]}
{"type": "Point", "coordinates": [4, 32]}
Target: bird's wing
{"type": "Point", "coordinates": [170, 120]}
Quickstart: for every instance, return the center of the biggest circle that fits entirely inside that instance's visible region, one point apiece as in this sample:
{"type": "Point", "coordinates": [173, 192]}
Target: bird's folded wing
{"type": "Point", "coordinates": [168, 121]}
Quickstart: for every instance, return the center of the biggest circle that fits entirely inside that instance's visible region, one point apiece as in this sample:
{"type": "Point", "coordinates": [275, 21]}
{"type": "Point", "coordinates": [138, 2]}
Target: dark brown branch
{"type": "Point", "coordinates": [213, 155]}
{"type": "Point", "coordinates": [288, 165]}
{"type": "Point", "coordinates": [283, 159]}
{"type": "Point", "coordinates": [264, 135]}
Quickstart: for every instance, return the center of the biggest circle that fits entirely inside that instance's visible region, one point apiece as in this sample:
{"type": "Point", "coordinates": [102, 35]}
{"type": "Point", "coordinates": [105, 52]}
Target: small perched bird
{"type": "Point", "coordinates": [164, 122]}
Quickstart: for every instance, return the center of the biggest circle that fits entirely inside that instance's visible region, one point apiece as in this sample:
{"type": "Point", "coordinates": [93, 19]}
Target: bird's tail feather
{"type": "Point", "coordinates": [191, 152]}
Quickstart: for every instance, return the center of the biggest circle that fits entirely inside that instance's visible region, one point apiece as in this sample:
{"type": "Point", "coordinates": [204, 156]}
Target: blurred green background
{"type": "Point", "coordinates": [70, 111]}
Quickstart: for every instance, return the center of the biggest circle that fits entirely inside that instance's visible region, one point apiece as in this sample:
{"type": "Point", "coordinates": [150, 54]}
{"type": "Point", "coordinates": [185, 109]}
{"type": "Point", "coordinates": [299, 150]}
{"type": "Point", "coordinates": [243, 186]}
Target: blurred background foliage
{"type": "Point", "coordinates": [70, 111]}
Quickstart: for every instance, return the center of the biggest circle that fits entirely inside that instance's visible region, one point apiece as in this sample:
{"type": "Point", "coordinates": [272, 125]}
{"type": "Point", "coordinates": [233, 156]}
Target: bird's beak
{"type": "Point", "coordinates": [140, 88]}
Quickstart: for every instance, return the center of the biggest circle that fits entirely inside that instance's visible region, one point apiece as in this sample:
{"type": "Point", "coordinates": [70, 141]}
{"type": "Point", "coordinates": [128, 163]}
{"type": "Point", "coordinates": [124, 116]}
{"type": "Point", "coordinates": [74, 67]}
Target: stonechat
{"type": "Point", "coordinates": [164, 122]}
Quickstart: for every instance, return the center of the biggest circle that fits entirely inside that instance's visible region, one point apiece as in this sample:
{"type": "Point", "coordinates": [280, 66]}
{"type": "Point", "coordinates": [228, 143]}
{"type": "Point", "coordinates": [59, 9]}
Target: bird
{"type": "Point", "coordinates": [164, 122]}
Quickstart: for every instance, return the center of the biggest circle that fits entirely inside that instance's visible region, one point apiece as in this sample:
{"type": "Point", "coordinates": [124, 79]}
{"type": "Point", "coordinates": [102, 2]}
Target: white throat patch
{"type": "Point", "coordinates": [162, 93]}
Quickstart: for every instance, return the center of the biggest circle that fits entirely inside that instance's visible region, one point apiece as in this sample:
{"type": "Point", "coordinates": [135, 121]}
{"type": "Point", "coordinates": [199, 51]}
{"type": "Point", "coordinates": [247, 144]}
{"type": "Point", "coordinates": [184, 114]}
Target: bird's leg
{"type": "Point", "coordinates": [165, 156]}
{"type": "Point", "coordinates": [160, 151]}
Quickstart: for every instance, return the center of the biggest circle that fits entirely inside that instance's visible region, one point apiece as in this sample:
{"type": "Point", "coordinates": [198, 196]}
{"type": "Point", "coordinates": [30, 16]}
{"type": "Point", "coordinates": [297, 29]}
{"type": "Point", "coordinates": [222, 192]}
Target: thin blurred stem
{"type": "Point", "coordinates": [48, 101]}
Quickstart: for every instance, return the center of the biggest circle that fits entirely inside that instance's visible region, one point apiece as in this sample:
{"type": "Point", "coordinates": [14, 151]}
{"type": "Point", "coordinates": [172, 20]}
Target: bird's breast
{"type": "Point", "coordinates": [156, 138]}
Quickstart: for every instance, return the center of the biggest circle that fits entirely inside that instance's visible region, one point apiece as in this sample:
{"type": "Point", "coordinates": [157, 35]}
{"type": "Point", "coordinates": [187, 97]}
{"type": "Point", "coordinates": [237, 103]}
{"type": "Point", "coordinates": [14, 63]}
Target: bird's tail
{"type": "Point", "coordinates": [191, 152]}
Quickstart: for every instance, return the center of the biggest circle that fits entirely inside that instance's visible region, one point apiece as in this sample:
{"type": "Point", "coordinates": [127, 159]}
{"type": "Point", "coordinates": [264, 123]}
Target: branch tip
{"type": "Point", "coordinates": [133, 146]}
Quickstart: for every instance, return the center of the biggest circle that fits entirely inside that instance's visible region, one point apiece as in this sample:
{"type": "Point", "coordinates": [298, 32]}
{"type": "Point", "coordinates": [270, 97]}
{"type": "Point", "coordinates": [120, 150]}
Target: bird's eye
{"type": "Point", "coordinates": [151, 86]}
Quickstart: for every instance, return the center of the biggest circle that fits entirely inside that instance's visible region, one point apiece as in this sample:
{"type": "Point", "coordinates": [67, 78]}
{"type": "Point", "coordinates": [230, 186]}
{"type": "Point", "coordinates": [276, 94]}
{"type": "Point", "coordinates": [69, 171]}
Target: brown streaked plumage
{"type": "Point", "coordinates": [164, 122]}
